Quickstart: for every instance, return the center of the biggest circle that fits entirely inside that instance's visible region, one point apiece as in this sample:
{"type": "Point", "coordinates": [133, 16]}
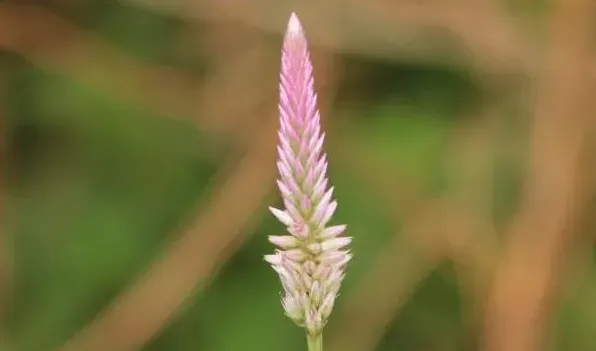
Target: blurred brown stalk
{"type": "Point", "coordinates": [5, 240]}
{"type": "Point", "coordinates": [555, 191]}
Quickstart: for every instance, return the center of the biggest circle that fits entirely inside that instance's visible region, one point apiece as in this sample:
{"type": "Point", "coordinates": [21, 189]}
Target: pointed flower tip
{"type": "Point", "coordinates": [274, 259]}
{"type": "Point", "coordinates": [294, 25]}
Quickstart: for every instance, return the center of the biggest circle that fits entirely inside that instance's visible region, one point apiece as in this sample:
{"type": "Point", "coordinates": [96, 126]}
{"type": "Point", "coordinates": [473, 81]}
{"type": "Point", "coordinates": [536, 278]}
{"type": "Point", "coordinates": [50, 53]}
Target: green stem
{"type": "Point", "coordinates": [315, 342]}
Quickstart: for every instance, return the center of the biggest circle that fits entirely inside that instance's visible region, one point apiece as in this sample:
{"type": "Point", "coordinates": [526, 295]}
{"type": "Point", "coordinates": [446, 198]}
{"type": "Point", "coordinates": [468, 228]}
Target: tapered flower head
{"type": "Point", "coordinates": [311, 259]}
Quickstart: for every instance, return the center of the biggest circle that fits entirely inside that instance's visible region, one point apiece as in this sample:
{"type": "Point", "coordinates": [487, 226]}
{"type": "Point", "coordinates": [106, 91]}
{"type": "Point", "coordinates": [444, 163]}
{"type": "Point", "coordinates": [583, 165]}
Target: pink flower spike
{"type": "Point", "coordinates": [309, 262]}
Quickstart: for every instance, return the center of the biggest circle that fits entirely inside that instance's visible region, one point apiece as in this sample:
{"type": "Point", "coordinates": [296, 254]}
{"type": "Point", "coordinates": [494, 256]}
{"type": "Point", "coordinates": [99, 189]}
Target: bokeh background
{"type": "Point", "coordinates": [138, 161]}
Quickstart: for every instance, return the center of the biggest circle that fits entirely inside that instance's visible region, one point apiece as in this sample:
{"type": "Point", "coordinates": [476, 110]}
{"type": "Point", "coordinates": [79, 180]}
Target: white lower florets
{"type": "Point", "coordinates": [310, 278]}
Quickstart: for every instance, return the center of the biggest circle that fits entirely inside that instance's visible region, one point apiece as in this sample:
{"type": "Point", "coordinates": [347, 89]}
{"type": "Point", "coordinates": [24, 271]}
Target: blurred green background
{"type": "Point", "coordinates": [123, 121]}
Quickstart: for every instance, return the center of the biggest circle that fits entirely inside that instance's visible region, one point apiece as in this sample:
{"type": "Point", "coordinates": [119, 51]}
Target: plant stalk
{"type": "Point", "coordinates": [315, 342]}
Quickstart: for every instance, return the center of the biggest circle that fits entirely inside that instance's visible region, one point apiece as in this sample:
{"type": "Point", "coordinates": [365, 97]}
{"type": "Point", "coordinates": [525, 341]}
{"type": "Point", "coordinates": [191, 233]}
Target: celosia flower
{"type": "Point", "coordinates": [311, 260]}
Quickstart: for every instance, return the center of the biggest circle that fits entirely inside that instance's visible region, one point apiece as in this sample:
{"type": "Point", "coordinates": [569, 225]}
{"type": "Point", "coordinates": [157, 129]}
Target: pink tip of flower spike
{"type": "Point", "coordinates": [310, 261]}
{"type": "Point", "coordinates": [294, 25]}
